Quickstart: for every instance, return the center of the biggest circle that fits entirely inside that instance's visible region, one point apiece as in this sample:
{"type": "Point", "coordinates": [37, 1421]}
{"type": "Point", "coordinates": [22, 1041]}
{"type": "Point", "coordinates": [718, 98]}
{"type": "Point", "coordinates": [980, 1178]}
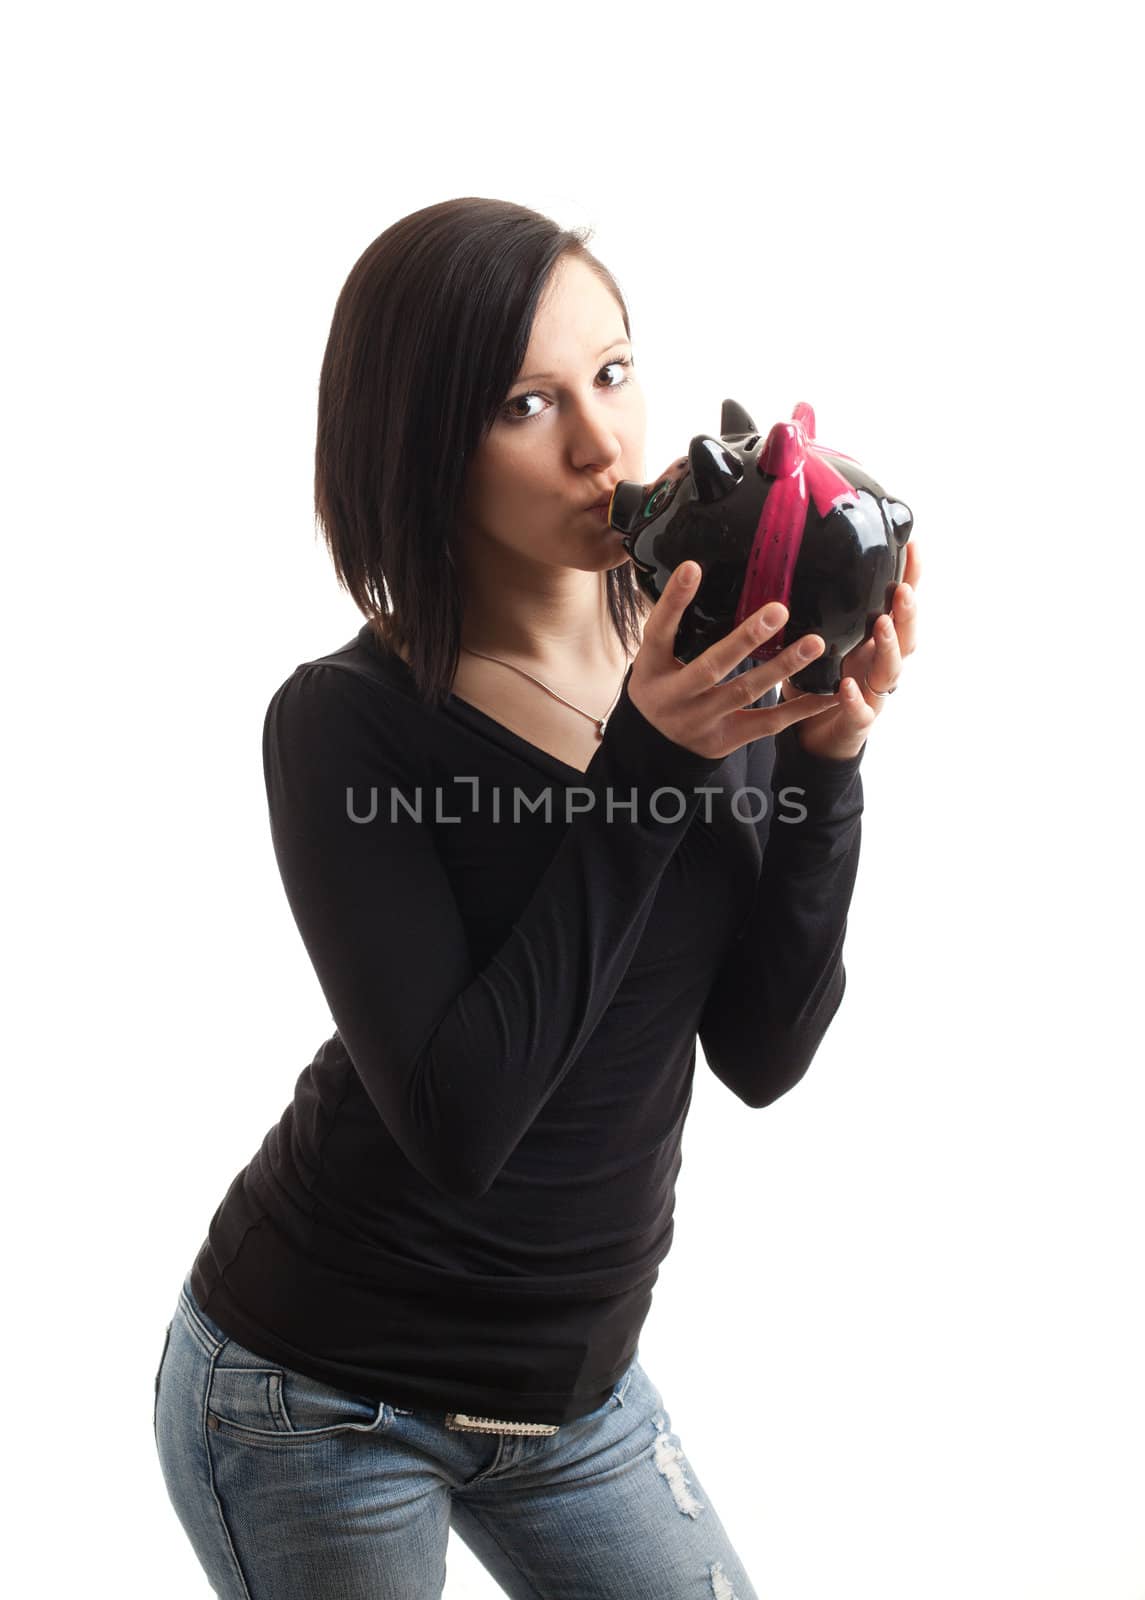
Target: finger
{"type": "Point", "coordinates": [712, 665]}
{"type": "Point", "coordinates": [749, 724]}
{"type": "Point", "coordinates": [773, 674]}
{"type": "Point", "coordinates": [663, 620]}
{"type": "Point", "coordinates": [888, 649]}
{"type": "Point", "coordinates": [913, 567]}
{"type": "Point", "coordinates": [858, 710]}
{"type": "Point", "coordinates": [854, 662]}
{"type": "Point", "coordinates": [904, 612]}
{"type": "Point", "coordinates": [883, 670]}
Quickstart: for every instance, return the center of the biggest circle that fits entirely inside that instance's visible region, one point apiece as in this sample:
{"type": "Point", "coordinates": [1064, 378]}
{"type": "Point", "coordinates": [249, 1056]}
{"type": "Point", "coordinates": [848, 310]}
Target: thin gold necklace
{"type": "Point", "coordinates": [601, 722]}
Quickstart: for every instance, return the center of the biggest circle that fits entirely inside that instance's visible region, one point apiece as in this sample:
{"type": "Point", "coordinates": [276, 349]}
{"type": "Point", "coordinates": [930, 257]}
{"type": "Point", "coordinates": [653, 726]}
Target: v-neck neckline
{"type": "Point", "coordinates": [471, 716]}
{"type": "Point", "coordinates": [515, 742]}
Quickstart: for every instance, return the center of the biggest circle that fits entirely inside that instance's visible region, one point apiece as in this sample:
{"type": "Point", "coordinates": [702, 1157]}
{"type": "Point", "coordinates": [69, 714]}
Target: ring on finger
{"type": "Point", "coordinates": [879, 692]}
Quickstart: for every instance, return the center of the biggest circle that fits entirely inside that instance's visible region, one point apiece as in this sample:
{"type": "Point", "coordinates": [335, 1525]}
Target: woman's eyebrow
{"type": "Point", "coordinates": [537, 377]}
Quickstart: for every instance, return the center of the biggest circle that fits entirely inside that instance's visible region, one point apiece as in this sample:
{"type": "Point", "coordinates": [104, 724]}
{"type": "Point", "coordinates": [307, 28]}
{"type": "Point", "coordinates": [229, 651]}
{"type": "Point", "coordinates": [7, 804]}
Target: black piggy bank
{"type": "Point", "coordinates": [781, 518]}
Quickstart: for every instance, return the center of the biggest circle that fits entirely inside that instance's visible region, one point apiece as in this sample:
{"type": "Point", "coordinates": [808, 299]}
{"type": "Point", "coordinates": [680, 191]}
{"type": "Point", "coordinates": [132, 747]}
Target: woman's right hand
{"type": "Point", "coordinates": [689, 702]}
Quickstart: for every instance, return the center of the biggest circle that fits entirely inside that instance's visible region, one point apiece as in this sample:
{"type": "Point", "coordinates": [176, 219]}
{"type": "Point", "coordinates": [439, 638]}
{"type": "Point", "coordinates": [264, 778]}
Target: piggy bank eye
{"type": "Point", "coordinates": [657, 498]}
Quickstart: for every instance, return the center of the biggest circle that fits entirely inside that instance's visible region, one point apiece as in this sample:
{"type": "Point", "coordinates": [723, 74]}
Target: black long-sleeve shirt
{"type": "Point", "coordinates": [467, 1200]}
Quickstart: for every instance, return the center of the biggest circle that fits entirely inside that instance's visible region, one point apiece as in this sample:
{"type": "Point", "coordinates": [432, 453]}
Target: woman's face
{"type": "Point", "coordinates": [572, 427]}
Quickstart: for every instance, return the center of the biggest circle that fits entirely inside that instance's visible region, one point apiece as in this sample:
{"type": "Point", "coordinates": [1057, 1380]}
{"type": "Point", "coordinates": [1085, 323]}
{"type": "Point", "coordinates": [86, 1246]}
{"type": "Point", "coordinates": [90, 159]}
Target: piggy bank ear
{"type": "Point", "coordinates": [901, 521]}
{"type": "Point", "coordinates": [734, 420]}
{"type": "Point", "coordinates": [716, 470]}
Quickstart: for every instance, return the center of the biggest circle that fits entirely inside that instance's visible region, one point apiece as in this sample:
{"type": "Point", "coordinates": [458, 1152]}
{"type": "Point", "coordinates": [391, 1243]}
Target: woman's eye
{"type": "Point", "coordinates": [623, 362]}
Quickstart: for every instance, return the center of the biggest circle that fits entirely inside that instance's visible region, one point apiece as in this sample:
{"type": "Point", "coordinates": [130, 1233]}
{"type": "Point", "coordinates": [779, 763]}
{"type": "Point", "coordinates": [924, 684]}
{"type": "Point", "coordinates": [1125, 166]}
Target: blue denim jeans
{"type": "Point", "coordinates": [289, 1489]}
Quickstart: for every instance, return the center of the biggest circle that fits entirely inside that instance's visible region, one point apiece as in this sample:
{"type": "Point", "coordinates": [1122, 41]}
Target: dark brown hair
{"type": "Point", "coordinates": [428, 335]}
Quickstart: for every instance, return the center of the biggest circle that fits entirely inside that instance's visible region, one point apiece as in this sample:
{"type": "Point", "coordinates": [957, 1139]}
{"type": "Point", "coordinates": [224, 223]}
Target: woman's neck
{"type": "Point", "coordinates": [567, 631]}
{"type": "Point", "coordinates": [567, 656]}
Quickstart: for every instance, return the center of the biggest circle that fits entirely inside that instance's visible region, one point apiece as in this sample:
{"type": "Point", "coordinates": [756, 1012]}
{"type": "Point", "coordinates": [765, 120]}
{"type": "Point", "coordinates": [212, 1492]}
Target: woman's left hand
{"type": "Point", "coordinates": [869, 670]}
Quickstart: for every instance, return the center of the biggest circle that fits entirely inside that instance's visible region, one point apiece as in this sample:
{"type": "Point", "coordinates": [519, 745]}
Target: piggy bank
{"type": "Point", "coordinates": [782, 518]}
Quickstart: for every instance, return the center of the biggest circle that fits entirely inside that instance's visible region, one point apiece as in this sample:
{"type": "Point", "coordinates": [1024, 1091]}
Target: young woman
{"type": "Point", "coordinates": [507, 822]}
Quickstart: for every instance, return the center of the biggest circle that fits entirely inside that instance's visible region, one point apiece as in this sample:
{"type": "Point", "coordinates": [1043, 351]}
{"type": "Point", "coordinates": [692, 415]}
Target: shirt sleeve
{"type": "Point", "coordinates": [782, 979]}
{"type": "Point", "coordinates": [457, 1062]}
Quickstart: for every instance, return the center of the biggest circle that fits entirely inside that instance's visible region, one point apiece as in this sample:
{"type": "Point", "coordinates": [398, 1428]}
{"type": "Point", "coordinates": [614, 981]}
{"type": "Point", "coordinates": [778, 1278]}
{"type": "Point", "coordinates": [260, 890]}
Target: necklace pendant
{"type": "Point", "coordinates": [600, 727]}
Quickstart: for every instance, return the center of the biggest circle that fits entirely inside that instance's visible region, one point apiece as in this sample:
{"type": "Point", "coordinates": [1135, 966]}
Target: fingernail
{"type": "Point", "coordinates": [688, 574]}
{"type": "Point", "coordinates": [805, 649]}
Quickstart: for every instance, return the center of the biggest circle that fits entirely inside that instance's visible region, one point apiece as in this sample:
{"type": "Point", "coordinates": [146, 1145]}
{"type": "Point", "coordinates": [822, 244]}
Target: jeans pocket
{"type": "Point", "coordinates": [260, 1402]}
{"type": "Point", "coordinates": [312, 1406]}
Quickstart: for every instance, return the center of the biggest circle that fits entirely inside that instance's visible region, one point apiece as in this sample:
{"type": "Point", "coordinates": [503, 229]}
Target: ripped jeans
{"type": "Point", "coordinates": [289, 1489]}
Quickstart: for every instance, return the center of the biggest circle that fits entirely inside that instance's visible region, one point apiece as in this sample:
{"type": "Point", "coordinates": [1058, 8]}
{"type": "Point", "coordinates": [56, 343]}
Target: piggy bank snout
{"type": "Point", "coordinates": [626, 505]}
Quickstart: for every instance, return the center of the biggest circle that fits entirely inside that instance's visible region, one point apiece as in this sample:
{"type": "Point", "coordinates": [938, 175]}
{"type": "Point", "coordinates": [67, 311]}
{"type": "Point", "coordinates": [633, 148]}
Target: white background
{"type": "Point", "coordinates": [900, 1331]}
